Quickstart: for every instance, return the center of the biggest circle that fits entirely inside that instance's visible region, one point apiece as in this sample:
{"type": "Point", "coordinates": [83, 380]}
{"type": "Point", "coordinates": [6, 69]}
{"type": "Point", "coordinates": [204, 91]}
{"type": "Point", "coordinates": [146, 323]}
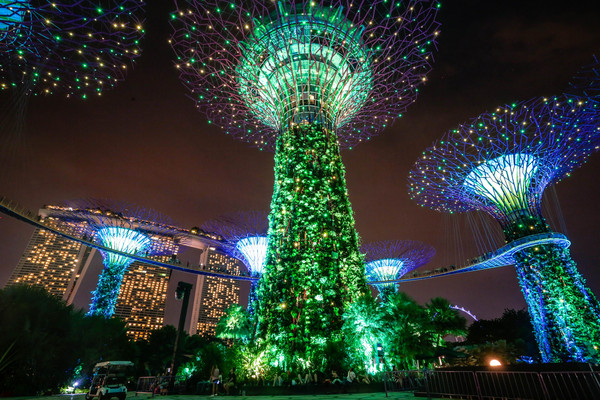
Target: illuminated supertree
{"type": "Point", "coordinates": [78, 47]}
{"type": "Point", "coordinates": [390, 260]}
{"type": "Point", "coordinates": [125, 228]}
{"type": "Point", "coordinates": [305, 78]}
{"type": "Point", "coordinates": [501, 163]}
{"type": "Point", "coordinates": [245, 235]}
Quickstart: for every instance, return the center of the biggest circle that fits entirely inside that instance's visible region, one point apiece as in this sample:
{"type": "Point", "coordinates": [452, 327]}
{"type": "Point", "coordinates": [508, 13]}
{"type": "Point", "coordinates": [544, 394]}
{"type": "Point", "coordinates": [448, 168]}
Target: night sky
{"type": "Point", "coordinates": [145, 143]}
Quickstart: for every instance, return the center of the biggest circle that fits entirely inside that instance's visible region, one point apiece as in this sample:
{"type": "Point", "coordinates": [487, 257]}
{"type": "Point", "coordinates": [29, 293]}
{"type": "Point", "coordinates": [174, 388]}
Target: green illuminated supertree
{"type": "Point", "coordinates": [501, 163]}
{"type": "Point", "coordinates": [304, 79]}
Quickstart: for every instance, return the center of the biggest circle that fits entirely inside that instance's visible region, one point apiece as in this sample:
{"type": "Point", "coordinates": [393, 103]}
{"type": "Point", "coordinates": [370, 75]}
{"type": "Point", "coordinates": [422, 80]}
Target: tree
{"type": "Point", "coordinates": [156, 353]}
{"type": "Point", "coordinates": [409, 334]}
{"type": "Point", "coordinates": [234, 324]}
{"type": "Point", "coordinates": [40, 329]}
{"type": "Point", "coordinates": [444, 320]}
{"type": "Point", "coordinates": [514, 327]}
{"type": "Point", "coordinates": [99, 339]}
{"type": "Point", "coordinates": [363, 329]}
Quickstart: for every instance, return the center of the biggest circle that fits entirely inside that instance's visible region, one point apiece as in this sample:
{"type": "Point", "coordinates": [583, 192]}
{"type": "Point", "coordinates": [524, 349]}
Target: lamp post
{"type": "Point", "coordinates": [181, 293]}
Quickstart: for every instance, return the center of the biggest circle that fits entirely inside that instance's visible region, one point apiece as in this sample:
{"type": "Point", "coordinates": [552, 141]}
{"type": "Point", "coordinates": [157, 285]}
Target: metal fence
{"type": "Point", "coordinates": [501, 385]}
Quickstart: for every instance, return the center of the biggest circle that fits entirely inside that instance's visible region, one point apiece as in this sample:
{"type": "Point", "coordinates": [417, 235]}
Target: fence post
{"type": "Point", "coordinates": [426, 377]}
{"type": "Point", "coordinates": [594, 375]}
{"type": "Point", "coordinates": [477, 386]}
{"type": "Point", "coordinates": [385, 376]}
{"type": "Point", "coordinates": [543, 386]}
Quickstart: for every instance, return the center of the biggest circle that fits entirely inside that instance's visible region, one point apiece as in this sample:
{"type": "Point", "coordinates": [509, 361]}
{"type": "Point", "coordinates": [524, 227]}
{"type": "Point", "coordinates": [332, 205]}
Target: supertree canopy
{"type": "Point", "coordinates": [77, 48]}
{"type": "Point", "coordinates": [390, 260]}
{"type": "Point", "coordinates": [245, 238]}
{"type": "Point", "coordinates": [305, 78]}
{"type": "Point", "coordinates": [501, 163]}
{"type": "Point", "coordinates": [125, 228]}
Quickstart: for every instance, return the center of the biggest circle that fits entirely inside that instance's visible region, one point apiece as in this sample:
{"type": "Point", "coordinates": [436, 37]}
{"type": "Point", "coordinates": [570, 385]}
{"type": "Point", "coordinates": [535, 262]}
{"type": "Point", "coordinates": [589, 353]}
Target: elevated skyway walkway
{"type": "Point", "coordinates": [501, 257]}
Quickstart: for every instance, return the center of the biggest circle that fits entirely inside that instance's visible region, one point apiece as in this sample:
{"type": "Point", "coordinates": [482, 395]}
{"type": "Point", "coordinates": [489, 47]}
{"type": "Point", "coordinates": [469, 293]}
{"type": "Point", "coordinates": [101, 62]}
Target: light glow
{"type": "Point", "coordinates": [495, 363]}
{"type": "Point", "coordinates": [505, 181]}
{"type": "Point", "coordinates": [307, 66]}
{"type": "Point", "coordinates": [386, 269]}
{"type": "Point", "coordinates": [254, 249]}
{"type": "Point", "coordinates": [122, 239]}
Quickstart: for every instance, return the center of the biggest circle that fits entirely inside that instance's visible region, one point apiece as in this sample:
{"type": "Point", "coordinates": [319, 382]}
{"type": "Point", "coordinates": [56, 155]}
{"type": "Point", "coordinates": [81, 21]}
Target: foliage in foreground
{"type": "Point", "coordinates": [46, 344]}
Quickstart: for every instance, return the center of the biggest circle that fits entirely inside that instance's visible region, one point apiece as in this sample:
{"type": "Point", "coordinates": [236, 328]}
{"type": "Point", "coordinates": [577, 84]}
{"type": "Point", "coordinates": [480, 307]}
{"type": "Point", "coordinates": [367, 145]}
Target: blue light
{"type": "Point", "coordinates": [254, 249]}
{"type": "Point", "coordinates": [11, 13]}
{"type": "Point", "coordinates": [104, 298]}
{"type": "Point", "coordinates": [122, 239]}
{"type": "Point", "coordinates": [385, 269]}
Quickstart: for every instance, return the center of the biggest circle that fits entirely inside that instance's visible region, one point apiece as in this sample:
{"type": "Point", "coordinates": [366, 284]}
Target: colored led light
{"type": "Point", "coordinates": [254, 249]}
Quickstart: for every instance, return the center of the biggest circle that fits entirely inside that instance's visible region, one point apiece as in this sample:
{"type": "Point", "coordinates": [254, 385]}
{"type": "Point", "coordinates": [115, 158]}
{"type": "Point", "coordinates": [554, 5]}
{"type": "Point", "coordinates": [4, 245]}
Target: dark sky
{"type": "Point", "coordinates": [145, 143]}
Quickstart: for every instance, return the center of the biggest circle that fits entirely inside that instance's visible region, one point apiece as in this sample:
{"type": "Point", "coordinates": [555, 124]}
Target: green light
{"type": "Point", "coordinates": [309, 68]}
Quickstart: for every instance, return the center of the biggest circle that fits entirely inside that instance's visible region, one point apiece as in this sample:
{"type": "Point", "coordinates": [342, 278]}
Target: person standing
{"type": "Point", "coordinates": [215, 378]}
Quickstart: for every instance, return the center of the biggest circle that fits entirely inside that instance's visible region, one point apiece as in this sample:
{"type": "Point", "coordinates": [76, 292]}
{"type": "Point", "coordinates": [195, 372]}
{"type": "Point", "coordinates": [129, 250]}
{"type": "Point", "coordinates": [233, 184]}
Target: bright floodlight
{"type": "Point", "coordinates": [254, 249]}
{"type": "Point", "coordinates": [501, 163]}
{"type": "Point", "coordinates": [388, 261]}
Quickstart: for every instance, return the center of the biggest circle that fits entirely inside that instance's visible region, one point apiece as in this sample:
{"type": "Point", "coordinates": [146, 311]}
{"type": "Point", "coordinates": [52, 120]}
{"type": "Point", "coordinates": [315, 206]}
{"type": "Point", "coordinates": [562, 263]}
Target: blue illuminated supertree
{"type": "Point", "coordinates": [245, 236]}
{"type": "Point", "coordinates": [390, 260]}
{"type": "Point", "coordinates": [305, 78]}
{"type": "Point", "coordinates": [125, 228]}
{"type": "Point", "coordinates": [501, 163]}
{"type": "Point", "coordinates": [78, 47]}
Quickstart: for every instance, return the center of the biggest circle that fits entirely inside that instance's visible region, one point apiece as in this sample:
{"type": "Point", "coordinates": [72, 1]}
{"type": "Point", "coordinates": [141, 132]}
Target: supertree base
{"type": "Point", "coordinates": [313, 267]}
{"type": "Point", "coordinates": [564, 312]}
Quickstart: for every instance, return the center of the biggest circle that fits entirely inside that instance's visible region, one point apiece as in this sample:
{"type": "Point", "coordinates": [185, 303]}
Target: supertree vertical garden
{"type": "Point", "coordinates": [77, 48]}
{"type": "Point", "coordinates": [305, 78]}
{"type": "Point", "coordinates": [245, 235]}
{"type": "Point", "coordinates": [125, 228]}
{"type": "Point", "coordinates": [390, 260]}
{"type": "Point", "coordinates": [501, 163]}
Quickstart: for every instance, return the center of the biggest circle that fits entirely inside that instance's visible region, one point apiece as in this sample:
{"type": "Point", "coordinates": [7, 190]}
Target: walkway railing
{"type": "Point", "coordinates": [498, 258]}
{"type": "Point", "coordinates": [13, 209]}
{"type": "Point", "coordinates": [505, 385]}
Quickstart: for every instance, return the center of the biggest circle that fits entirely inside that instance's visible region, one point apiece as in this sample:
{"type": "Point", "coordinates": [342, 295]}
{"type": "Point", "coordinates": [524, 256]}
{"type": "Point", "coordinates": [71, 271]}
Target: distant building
{"type": "Point", "coordinates": [50, 261]}
{"type": "Point", "coordinates": [216, 294]}
{"type": "Point", "coordinates": [60, 266]}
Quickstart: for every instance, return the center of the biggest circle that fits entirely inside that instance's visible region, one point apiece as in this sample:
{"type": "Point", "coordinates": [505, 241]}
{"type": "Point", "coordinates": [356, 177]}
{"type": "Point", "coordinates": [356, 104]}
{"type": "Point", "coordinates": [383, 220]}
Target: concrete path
{"type": "Point", "coordinates": [354, 396]}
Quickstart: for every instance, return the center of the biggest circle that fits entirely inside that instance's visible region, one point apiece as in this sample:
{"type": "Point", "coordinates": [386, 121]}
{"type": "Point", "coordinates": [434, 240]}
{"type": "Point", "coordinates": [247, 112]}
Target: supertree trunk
{"type": "Point", "coordinates": [252, 299]}
{"type": "Point", "coordinates": [564, 312]}
{"type": "Point", "coordinates": [313, 267]}
{"type": "Point", "coordinates": [104, 298]}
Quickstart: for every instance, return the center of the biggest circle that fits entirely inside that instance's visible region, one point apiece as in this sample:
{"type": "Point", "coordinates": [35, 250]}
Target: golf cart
{"type": "Point", "coordinates": [110, 380]}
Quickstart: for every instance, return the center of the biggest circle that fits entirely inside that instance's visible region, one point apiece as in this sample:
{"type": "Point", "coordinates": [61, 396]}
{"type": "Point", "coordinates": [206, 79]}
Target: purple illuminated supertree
{"type": "Point", "coordinates": [245, 235]}
{"type": "Point", "coordinates": [501, 163]}
{"type": "Point", "coordinates": [125, 228]}
{"type": "Point", "coordinates": [390, 260]}
{"type": "Point", "coordinates": [305, 78]}
{"type": "Point", "coordinates": [77, 47]}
